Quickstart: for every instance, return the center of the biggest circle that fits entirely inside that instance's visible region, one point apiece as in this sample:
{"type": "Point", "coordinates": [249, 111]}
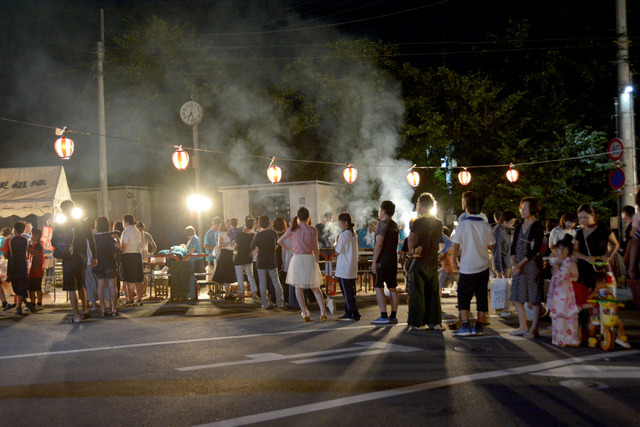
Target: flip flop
{"type": "Point", "coordinates": [72, 321]}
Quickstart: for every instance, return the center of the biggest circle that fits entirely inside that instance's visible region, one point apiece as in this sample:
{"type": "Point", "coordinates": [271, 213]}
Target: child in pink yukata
{"type": "Point", "coordinates": [561, 298]}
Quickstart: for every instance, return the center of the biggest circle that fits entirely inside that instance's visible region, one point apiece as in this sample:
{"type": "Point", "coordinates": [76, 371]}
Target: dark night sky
{"type": "Point", "coordinates": [48, 51]}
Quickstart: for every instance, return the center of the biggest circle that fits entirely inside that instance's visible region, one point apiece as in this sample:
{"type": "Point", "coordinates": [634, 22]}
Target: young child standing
{"type": "Point", "coordinates": [347, 266]}
{"type": "Point", "coordinates": [36, 273]}
{"type": "Point", "coordinates": [561, 299]}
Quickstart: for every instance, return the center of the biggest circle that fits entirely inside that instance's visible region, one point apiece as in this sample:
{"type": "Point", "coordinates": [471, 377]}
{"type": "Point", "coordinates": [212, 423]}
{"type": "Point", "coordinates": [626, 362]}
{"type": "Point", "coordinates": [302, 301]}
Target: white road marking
{"type": "Point", "coordinates": [189, 341]}
{"type": "Point", "coordinates": [367, 397]}
{"type": "Point", "coordinates": [591, 371]}
{"type": "Point", "coordinates": [378, 347]}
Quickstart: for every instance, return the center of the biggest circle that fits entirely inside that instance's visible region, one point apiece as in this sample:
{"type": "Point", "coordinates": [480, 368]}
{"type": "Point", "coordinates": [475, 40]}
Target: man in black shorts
{"type": "Point", "coordinates": [473, 241]}
{"type": "Point", "coordinates": [385, 263]}
{"type": "Point", "coordinates": [74, 265]}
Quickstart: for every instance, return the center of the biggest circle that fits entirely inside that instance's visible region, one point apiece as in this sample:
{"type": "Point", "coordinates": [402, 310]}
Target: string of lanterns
{"type": "Point", "coordinates": [64, 148]}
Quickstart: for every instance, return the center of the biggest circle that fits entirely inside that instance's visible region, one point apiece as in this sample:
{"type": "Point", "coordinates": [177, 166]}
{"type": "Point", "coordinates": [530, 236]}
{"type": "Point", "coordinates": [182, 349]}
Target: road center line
{"type": "Point", "coordinates": [335, 403]}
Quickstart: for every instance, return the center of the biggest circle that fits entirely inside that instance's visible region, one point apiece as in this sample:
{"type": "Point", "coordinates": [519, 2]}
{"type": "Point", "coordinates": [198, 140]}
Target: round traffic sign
{"type": "Point", "coordinates": [615, 149]}
{"type": "Point", "coordinates": [616, 178]}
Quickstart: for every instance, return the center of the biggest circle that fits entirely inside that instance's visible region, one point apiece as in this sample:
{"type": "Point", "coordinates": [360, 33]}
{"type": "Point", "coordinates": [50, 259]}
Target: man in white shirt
{"type": "Point", "coordinates": [132, 273]}
{"type": "Point", "coordinates": [473, 240]}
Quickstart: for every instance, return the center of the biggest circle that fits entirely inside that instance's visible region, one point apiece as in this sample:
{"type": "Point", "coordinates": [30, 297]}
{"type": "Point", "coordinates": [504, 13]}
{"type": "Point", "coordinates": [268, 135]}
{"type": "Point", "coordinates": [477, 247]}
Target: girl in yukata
{"type": "Point", "coordinates": [561, 299]}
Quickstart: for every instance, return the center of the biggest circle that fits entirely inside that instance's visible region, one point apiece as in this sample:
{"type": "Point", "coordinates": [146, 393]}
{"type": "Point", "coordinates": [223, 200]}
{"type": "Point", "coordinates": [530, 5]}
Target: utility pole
{"type": "Point", "coordinates": [625, 105]}
{"type": "Point", "coordinates": [102, 146]}
{"type": "Point", "coordinates": [196, 169]}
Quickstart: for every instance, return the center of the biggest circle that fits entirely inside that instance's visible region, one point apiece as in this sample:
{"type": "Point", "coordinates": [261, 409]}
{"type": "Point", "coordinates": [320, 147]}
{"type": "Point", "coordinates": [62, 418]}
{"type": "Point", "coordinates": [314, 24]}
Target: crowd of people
{"type": "Point", "coordinates": [102, 260]}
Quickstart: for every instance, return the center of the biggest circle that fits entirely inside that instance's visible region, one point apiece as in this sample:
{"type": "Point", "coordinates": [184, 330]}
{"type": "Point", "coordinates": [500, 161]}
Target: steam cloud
{"type": "Point", "coordinates": [364, 131]}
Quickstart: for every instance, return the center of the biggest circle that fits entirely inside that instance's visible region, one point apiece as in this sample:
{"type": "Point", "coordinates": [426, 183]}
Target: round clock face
{"type": "Point", "coordinates": [191, 113]}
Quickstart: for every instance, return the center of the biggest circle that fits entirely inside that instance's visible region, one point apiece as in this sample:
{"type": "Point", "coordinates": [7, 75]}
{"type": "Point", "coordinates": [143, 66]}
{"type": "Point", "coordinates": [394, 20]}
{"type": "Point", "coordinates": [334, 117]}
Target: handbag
{"type": "Point", "coordinates": [500, 293]}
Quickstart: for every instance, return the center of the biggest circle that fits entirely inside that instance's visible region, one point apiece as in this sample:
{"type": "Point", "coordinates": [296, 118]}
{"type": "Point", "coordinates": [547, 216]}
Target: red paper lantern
{"type": "Point", "coordinates": [64, 147]}
{"type": "Point", "coordinates": [350, 174]}
{"type": "Point", "coordinates": [512, 175]}
{"type": "Point", "coordinates": [413, 178]}
{"type": "Point", "coordinates": [180, 159]}
{"type": "Point", "coordinates": [274, 173]}
{"type": "Point", "coordinates": [464, 177]}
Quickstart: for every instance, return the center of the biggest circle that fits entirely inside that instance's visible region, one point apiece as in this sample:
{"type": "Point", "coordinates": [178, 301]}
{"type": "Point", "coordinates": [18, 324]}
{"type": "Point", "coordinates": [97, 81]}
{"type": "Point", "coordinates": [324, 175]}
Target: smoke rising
{"type": "Point", "coordinates": [358, 105]}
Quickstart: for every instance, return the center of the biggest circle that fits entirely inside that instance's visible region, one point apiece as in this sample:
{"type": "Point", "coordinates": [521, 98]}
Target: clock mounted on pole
{"type": "Point", "coordinates": [191, 113]}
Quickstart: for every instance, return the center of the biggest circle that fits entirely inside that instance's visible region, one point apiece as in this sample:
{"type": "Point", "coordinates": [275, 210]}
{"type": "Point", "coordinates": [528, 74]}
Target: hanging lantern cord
{"type": "Point", "coordinates": [273, 159]}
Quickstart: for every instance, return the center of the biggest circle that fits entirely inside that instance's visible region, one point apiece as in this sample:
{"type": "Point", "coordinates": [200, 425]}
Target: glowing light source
{"type": "Point", "coordinates": [350, 174]}
{"type": "Point", "coordinates": [628, 89]}
{"type": "Point", "coordinates": [413, 177]}
{"type": "Point", "coordinates": [61, 218]}
{"type": "Point", "coordinates": [434, 210]}
{"type": "Point", "coordinates": [464, 177]}
{"type": "Point", "coordinates": [76, 213]}
{"type": "Point", "coordinates": [64, 147]}
{"type": "Point", "coordinates": [512, 174]}
{"type": "Point", "coordinates": [274, 173]}
{"type": "Point", "coordinates": [199, 203]}
{"type": "Point", "coordinates": [180, 159]}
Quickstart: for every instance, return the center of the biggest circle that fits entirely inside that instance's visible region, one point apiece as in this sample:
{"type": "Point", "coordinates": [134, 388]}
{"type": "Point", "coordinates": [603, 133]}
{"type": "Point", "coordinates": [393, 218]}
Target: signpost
{"type": "Point", "coordinates": [615, 149]}
{"type": "Point", "coordinates": [616, 178]}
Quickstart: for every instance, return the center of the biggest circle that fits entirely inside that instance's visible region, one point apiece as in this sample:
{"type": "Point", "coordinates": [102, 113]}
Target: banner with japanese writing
{"type": "Point", "coordinates": [25, 191]}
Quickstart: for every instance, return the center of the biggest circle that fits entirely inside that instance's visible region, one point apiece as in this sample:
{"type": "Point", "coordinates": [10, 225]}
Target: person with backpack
{"type": "Point", "coordinates": [70, 240]}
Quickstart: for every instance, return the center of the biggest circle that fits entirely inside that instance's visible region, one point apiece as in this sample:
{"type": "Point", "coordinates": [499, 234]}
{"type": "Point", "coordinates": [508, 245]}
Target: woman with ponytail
{"type": "Point", "coordinates": [347, 266]}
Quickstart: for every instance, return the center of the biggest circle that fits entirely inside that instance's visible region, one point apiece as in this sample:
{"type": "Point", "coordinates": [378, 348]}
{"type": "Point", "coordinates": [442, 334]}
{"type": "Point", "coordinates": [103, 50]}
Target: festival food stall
{"type": "Point", "coordinates": [34, 191]}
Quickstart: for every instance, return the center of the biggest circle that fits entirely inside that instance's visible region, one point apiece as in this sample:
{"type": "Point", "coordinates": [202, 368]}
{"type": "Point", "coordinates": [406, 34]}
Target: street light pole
{"type": "Point", "coordinates": [625, 96]}
{"type": "Point", "coordinates": [102, 137]}
{"type": "Point", "coordinates": [196, 170]}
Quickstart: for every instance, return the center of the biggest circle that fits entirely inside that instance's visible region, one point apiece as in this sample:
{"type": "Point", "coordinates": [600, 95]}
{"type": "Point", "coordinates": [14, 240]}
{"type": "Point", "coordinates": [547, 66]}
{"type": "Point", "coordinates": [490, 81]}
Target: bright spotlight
{"type": "Point", "coordinates": [199, 203]}
{"type": "Point", "coordinates": [628, 89]}
{"type": "Point", "coordinates": [61, 218]}
{"type": "Point", "coordinates": [76, 213]}
{"type": "Point", "coordinates": [434, 210]}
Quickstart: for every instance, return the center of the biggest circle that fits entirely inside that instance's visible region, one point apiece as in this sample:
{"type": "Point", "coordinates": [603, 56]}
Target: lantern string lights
{"type": "Point", "coordinates": [63, 145]}
{"type": "Point", "coordinates": [512, 174]}
{"type": "Point", "coordinates": [274, 173]}
{"type": "Point", "coordinates": [464, 177]}
{"type": "Point", "coordinates": [413, 177]}
{"type": "Point", "coordinates": [180, 158]}
{"type": "Point", "coordinates": [350, 174]}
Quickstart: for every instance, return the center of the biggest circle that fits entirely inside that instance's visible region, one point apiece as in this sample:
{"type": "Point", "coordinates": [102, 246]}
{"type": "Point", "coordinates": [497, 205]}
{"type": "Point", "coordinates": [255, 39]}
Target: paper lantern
{"type": "Point", "coordinates": [413, 178]}
{"type": "Point", "coordinates": [350, 174]}
{"type": "Point", "coordinates": [64, 147]}
{"type": "Point", "coordinates": [180, 159]}
{"type": "Point", "coordinates": [274, 173]}
{"type": "Point", "coordinates": [512, 174]}
{"type": "Point", "coordinates": [464, 177]}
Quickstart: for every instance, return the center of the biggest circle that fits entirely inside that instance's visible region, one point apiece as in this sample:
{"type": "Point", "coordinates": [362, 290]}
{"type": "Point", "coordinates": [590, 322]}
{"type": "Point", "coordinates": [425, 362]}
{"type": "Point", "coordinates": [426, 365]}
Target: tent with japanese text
{"type": "Point", "coordinates": [32, 191]}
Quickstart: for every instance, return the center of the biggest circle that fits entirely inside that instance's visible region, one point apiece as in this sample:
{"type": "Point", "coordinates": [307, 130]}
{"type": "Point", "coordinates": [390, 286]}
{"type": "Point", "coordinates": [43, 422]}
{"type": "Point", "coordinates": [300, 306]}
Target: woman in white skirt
{"type": "Point", "coordinates": [304, 272]}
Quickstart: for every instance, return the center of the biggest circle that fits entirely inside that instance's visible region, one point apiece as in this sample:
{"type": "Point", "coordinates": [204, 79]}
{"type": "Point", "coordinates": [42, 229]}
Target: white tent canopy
{"type": "Point", "coordinates": [32, 191]}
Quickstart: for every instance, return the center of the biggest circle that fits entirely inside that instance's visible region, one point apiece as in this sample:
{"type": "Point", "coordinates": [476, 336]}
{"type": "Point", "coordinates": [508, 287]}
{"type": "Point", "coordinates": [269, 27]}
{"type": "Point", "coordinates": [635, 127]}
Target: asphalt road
{"type": "Point", "coordinates": [231, 364]}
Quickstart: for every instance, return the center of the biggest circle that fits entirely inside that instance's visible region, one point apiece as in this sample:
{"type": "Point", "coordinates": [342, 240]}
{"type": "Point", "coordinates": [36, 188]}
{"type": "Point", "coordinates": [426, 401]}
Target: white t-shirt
{"type": "Point", "coordinates": [131, 237]}
{"type": "Point", "coordinates": [347, 249]}
{"type": "Point", "coordinates": [558, 234]}
{"type": "Point", "coordinates": [474, 236]}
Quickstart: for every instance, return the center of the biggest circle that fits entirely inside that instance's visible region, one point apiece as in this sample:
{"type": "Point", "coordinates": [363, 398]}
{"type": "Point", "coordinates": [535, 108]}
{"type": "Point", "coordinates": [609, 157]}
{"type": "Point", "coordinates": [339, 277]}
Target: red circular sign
{"type": "Point", "coordinates": [616, 178]}
{"type": "Point", "coordinates": [615, 149]}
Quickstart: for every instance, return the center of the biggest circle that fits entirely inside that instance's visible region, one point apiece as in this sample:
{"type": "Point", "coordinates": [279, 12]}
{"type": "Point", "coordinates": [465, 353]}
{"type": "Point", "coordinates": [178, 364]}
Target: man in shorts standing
{"type": "Point", "coordinates": [75, 264]}
{"type": "Point", "coordinates": [473, 240]}
{"type": "Point", "coordinates": [385, 263]}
